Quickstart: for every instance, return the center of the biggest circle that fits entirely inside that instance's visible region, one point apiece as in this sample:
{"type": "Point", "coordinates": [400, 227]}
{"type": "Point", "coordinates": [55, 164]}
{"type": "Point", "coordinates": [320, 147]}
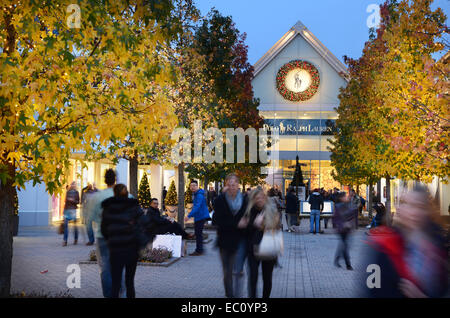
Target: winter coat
{"type": "Point", "coordinates": [123, 224]}
{"type": "Point", "coordinates": [387, 249]}
{"type": "Point", "coordinates": [72, 200]}
{"type": "Point", "coordinates": [228, 234]}
{"type": "Point", "coordinates": [199, 210]}
{"type": "Point", "coordinates": [344, 217]}
{"type": "Point", "coordinates": [316, 201]}
{"type": "Point", "coordinates": [291, 203]}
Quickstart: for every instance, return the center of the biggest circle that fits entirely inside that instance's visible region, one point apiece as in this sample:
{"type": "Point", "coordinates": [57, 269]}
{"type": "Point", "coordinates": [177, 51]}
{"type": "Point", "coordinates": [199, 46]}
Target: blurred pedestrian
{"type": "Point", "coordinates": [164, 194]}
{"type": "Point", "coordinates": [120, 228]}
{"type": "Point", "coordinates": [380, 214]}
{"type": "Point", "coordinates": [261, 215]}
{"type": "Point", "coordinates": [355, 200]}
{"type": "Point", "coordinates": [212, 195]}
{"type": "Point", "coordinates": [410, 254]}
{"type": "Point", "coordinates": [229, 207]}
{"type": "Point", "coordinates": [200, 213]}
{"type": "Point", "coordinates": [102, 250]}
{"type": "Point", "coordinates": [292, 206]}
{"type": "Point", "coordinates": [86, 198]}
{"type": "Point", "coordinates": [343, 219]}
{"type": "Point", "coordinates": [70, 212]}
{"type": "Point", "coordinates": [275, 198]}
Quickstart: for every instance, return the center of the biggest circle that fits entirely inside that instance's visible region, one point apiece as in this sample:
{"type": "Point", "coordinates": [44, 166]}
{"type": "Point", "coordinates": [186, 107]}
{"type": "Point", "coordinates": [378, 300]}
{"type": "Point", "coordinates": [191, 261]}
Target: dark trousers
{"type": "Point", "coordinates": [342, 249]}
{"type": "Point", "coordinates": [174, 228]}
{"type": "Point", "coordinates": [227, 257]}
{"type": "Point", "coordinates": [267, 270]}
{"type": "Point", "coordinates": [198, 228]}
{"type": "Point", "coordinates": [119, 261]}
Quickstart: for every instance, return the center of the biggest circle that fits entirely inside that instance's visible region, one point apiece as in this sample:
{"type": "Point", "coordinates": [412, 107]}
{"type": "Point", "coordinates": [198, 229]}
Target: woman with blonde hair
{"type": "Point", "coordinates": [261, 215]}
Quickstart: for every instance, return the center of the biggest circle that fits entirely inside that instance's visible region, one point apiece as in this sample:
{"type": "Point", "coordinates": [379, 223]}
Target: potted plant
{"type": "Point", "coordinates": [171, 201]}
{"type": "Point", "coordinates": [15, 221]}
{"type": "Point", "coordinates": [188, 202]}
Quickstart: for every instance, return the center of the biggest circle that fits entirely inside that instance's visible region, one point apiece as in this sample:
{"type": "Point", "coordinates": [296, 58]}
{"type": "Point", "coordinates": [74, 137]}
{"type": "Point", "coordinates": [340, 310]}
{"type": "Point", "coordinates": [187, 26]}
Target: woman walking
{"type": "Point", "coordinates": [70, 212]}
{"type": "Point", "coordinates": [261, 215]}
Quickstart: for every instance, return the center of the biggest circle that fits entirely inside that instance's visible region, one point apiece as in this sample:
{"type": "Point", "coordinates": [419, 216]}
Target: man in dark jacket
{"type": "Point", "coordinates": [291, 208]}
{"type": "Point", "coordinates": [229, 207]}
{"type": "Point", "coordinates": [162, 225]}
{"type": "Point", "coordinates": [316, 202]}
{"type": "Point", "coordinates": [212, 195]}
{"type": "Point", "coordinates": [121, 228]}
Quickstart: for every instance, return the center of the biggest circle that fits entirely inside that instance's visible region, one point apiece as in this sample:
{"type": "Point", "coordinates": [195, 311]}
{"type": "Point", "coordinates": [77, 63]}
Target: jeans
{"type": "Point", "coordinates": [90, 231]}
{"type": "Point", "coordinates": [314, 218]}
{"type": "Point", "coordinates": [238, 269]}
{"type": "Point", "coordinates": [291, 219]}
{"type": "Point", "coordinates": [103, 259]}
{"type": "Point", "coordinates": [198, 229]}
{"type": "Point", "coordinates": [267, 270]}
{"type": "Point", "coordinates": [227, 257]}
{"type": "Point", "coordinates": [119, 261]}
{"type": "Point", "coordinates": [342, 249]}
{"type": "Point", "coordinates": [69, 217]}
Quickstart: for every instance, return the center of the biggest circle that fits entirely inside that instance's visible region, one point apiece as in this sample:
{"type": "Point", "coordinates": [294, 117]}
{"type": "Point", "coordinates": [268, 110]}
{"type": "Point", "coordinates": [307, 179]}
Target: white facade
{"type": "Point", "coordinates": [300, 44]}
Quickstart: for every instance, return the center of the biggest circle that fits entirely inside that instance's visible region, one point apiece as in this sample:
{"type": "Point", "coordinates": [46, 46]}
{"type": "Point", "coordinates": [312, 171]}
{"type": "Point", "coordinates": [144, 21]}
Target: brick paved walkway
{"type": "Point", "coordinates": [307, 269]}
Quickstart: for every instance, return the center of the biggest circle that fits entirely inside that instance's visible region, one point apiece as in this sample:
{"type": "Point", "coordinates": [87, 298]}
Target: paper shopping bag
{"type": "Point", "coordinates": [171, 242]}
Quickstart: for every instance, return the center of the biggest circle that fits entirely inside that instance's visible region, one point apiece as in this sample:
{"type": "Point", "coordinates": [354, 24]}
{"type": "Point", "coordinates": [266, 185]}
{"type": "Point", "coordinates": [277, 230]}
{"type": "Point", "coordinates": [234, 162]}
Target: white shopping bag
{"type": "Point", "coordinates": [169, 241]}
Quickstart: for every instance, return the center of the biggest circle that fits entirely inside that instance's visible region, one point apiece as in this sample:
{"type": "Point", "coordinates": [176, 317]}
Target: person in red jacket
{"type": "Point", "coordinates": [411, 256]}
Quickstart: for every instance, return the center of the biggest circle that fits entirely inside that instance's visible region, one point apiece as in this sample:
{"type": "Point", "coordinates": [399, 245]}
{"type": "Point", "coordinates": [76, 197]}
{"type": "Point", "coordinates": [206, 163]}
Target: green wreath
{"type": "Point", "coordinates": [300, 96]}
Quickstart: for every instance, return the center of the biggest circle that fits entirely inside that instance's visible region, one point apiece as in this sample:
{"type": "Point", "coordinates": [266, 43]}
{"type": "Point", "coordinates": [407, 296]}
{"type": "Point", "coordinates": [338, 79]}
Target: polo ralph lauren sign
{"type": "Point", "coordinates": [301, 126]}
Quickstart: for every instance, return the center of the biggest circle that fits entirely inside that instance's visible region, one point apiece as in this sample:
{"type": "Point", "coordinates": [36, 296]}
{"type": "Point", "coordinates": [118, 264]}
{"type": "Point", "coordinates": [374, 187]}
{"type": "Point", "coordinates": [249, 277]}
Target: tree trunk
{"type": "Point", "coordinates": [6, 236]}
{"type": "Point", "coordinates": [379, 190]}
{"type": "Point", "coordinates": [133, 173]}
{"type": "Point", "coordinates": [205, 185]}
{"type": "Point", "coordinates": [369, 201]}
{"type": "Point", "coordinates": [181, 187]}
{"type": "Point", "coordinates": [388, 200]}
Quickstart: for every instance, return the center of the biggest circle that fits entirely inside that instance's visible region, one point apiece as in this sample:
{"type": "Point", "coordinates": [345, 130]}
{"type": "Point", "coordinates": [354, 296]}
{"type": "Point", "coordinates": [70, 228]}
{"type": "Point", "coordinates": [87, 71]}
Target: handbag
{"type": "Point", "coordinates": [61, 229]}
{"type": "Point", "coordinates": [271, 245]}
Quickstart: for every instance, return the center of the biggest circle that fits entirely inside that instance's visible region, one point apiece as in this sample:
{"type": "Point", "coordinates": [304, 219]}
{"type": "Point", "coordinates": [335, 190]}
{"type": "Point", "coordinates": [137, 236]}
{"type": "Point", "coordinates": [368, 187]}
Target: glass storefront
{"type": "Point", "coordinates": [82, 172]}
{"type": "Point", "coordinates": [304, 133]}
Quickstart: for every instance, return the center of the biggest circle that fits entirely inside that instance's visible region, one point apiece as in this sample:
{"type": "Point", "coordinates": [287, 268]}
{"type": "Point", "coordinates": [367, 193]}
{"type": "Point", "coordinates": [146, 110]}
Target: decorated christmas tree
{"type": "Point", "coordinates": [188, 195]}
{"type": "Point", "coordinates": [171, 198]}
{"type": "Point", "coordinates": [144, 195]}
{"type": "Point", "coordinates": [298, 175]}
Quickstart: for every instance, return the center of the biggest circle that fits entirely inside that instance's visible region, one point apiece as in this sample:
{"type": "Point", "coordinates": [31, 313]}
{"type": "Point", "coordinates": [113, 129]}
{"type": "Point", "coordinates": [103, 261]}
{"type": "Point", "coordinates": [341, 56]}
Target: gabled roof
{"type": "Point", "coordinates": [300, 29]}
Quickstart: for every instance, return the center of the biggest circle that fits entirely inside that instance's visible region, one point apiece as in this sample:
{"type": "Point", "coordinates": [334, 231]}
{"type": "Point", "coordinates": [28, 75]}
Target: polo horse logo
{"type": "Point", "coordinates": [298, 81]}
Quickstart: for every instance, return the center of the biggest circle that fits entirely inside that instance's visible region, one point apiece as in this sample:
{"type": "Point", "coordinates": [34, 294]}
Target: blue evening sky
{"type": "Point", "coordinates": [341, 25]}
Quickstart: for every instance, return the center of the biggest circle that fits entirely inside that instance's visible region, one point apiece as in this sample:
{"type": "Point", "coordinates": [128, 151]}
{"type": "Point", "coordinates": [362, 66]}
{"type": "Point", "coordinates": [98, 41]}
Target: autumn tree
{"type": "Point", "coordinates": [69, 87]}
{"type": "Point", "coordinates": [234, 105]}
{"type": "Point", "coordinates": [383, 130]}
